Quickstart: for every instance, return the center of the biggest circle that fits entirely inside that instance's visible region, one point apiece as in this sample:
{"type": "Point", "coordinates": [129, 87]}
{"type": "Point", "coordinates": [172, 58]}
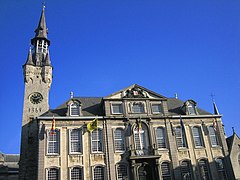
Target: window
{"type": "Point", "coordinates": [53, 174]}
{"type": "Point", "coordinates": [186, 170]}
{"type": "Point", "coordinates": [156, 108]}
{"type": "Point", "coordinates": [74, 109]}
{"type": "Point", "coordinates": [119, 142]}
{"type": "Point", "coordinates": [53, 142]}
{"type": "Point", "coordinates": [160, 136]}
{"type": "Point", "coordinates": [97, 141]}
{"type": "Point", "coordinates": [141, 139]}
{"type": "Point", "coordinates": [221, 168]}
{"type": "Point", "coordinates": [138, 108]}
{"type": "Point", "coordinates": [166, 173]}
{"type": "Point", "coordinates": [117, 109]}
{"type": "Point", "coordinates": [98, 173]}
{"type": "Point", "coordinates": [180, 137]}
{"type": "Point", "coordinates": [239, 159]}
{"type": "Point", "coordinates": [191, 109]}
{"type": "Point", "coordinates": [204, 169]}
{"type": "Point", "coordinates": [76, 173]}
{"type": "Point", "coordinates": [212, 136]}
{"type": "Point", "coordinates": [75, 141]}
{"type": "Point", "coordinates": [122, 172]}
{"type": "Point", "coordinates": [197, 136]}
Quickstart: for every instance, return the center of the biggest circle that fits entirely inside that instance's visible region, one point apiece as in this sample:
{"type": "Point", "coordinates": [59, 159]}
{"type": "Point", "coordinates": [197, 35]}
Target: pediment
{"type": "Point", "coordinates": [135, 92]}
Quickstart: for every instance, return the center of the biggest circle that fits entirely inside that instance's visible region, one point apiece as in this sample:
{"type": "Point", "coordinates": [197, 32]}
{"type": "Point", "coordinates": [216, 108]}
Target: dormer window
{"type": "Point", "coordinates": [190, 107]}
{"type": "Point", "coordinates": [117, 108]}
{"type": "Point", "coordinates": [74, 109]}
{"type": "Point", "coordinates": [156, 108]}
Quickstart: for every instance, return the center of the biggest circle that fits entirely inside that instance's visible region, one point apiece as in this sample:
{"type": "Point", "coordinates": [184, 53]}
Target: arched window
{"type": "Point", "coordinates": [141, 139]}
{"type": "Point", "coordinates": [180, 137]}
{"type": "Point", "coordinates": [76, 173]}
{"type": "Point", "coordinates": [220, 168]}
{"type": "Point", "coordinates": [197, 136]}
{"type": "Point", "coordinates": [53, 174]}
{"type": "Point", "coordinates": [53, 140]}
{"type": "Point", "coordinates": [212, 136]}
{"type": "Point", "coordinates": [122, 172]}
{"type": "Point", "coordinates": [98, 173]}
{"type": "Point", "coordinates": [119, 142]}
{"type": "Point", "coordinates": [75, 141]}
{"type": "Point", "coordinates": [204, 169]}
{"type": "Point", "coordinates": [74, 109]}
{"type": "Point", "coordinates": [97, 145]}
{"type": "Point", "coordinates": [165, 169]}
{"type": "Point", "coordinates": [160, 136]}
{"type": "Point", "coordinates": [186, 170]}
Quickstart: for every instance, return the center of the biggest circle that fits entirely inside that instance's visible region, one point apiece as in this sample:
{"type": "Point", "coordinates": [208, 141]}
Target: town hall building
{"type": "Point", "coordinates": [140, 134]}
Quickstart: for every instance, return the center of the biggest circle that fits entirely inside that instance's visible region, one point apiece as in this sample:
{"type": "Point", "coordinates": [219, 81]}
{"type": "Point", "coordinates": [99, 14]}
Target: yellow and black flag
{"type": "Point", "coordinates": [92, 125]}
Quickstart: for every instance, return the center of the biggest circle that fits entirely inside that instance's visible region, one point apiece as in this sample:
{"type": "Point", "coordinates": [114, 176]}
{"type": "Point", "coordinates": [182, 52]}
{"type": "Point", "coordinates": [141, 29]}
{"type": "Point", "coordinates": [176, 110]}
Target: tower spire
{"type": "Point", "coordinates": [215, 109]}
{"type": "Point", "coordinates": [29, 58]}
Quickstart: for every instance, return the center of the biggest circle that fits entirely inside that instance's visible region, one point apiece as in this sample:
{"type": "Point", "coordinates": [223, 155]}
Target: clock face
{"type": "Point", "coordinates": [36, 98]}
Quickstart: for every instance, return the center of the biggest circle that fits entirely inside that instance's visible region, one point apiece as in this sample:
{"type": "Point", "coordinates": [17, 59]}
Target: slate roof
{"type": "Point", "coordinates": [92, 106]}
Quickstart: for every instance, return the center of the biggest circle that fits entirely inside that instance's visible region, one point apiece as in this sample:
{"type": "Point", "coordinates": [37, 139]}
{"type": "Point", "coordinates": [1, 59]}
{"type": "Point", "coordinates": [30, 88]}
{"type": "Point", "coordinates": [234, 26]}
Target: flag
{"type": "Point", "coordinates": [181, 123]}
{"type": "Point", "coordinates": [53, 129]}
{"type": "Point", "coordinates": [214, 125]}
{"type": "Point", "coordinates": [92, 125]}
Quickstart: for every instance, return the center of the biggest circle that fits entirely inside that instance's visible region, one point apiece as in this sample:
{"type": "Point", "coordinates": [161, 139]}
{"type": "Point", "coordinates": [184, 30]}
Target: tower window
{"type": "Point", "coordinates": [75, 141]}
{"type": "Point", "coordinates": [160, 136]}
{"type": "Point", "coordinates": [53, 143]}
{"type": "Point", "coordinates": [119, 142]}
{"type": "Point", "coordinates": [141, 139]}
{"type": "Point", "coordinates": [76, 173]}
{"type": "Point", "coordinates": [122, 173]}
{"type": "Point", "coordinates": [97, 146]}
{"type": "Point", "coordinates": [98, 173]}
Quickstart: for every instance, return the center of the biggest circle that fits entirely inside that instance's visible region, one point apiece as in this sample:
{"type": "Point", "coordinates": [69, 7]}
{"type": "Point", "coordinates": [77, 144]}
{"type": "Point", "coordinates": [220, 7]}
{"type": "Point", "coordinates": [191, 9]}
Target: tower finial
{"type": "Point", "coordinates": [71, 94]}
{"type": "Point", "coordinates": [233, 130]}
{"type": "Point", "coordinates": [43, 5]}
{"type": "Point", "coordinates": [176, 96]}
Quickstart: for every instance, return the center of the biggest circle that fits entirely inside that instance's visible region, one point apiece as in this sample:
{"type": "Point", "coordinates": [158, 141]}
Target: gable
{"type": "Point", "coordinates": [135, 91]}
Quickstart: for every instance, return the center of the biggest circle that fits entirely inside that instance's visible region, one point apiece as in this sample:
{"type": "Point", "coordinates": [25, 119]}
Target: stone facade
{"type": "Point", "coordinates": [139, 135]}
{"type": "Point", "coordinates": [9, 168]}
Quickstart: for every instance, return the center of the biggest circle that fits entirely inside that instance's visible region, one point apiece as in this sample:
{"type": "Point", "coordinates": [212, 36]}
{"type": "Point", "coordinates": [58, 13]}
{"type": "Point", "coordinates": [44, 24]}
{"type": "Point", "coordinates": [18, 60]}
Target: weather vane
{"type": "Point", "coordinates": [212, 95]}
{"type": "Point", "coordinates": [44, 4]}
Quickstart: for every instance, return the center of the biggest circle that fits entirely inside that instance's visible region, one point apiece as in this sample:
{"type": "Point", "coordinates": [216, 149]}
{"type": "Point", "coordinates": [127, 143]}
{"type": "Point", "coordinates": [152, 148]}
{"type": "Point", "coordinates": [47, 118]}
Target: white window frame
{"type": "Point", "coordinates": [162, 138]}
{"type": "Point", "coordinates": [103, 175]}
{"type": "Point", "coordinates": [193, 108]}
{"type": "Point", "coordinates": [57, 133]}
{"type": "Point", "coordinates": [99, 139]}
{"type": "Point", "coordinates": [213, 136]}
{"type": "Point", "coordinates": [157, 104]}
{"type": "Point", "coordinates": [117, 104]}
{"type": "Point", "coordinates": [72, 141]}
{"type": "Point", "coordinates": [121, 140]}
{"type": "Point", "coordinates": [141, 136]}
{"type": "Point", "coordinates": [197, 138]}
{"type": "Point", "coordinates": [58, 172]}
{"type": "Point", "coordinates": [74, 105]}
{"type": "Point", "coordinates": [181, 138]}
{"type": "Point", "coordinates": [70, 172]}
{"type": "Point", "coordinates": [117, 171]}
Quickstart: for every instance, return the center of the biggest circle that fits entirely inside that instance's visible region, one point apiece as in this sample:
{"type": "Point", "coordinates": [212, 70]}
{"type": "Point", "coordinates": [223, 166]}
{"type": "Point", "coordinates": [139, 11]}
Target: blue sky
{"type": "Point", "coordinates": [99, 47]}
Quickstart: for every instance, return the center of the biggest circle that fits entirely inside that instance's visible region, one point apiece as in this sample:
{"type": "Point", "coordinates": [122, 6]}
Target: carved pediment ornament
{"type": "Point", "coordinates": [135, 93]}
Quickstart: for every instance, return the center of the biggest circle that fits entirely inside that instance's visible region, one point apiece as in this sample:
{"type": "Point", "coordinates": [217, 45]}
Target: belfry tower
{"type": "Point", "coordinates": [37, 73]}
